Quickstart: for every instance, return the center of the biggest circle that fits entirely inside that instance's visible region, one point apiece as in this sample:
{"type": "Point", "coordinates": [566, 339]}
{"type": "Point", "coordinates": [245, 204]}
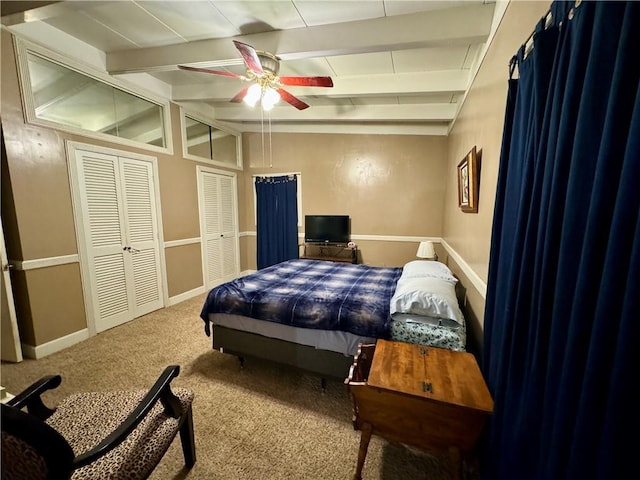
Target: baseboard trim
{"type": "Point", "coordinates": [186, 295]}
{"type": "Point", "coordinates": [40, 351]}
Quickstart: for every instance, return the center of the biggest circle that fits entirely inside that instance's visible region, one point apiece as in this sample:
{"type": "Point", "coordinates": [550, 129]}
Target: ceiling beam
{"type": "Point", "coordinates": [351, 128]}
{"type": "Point", "coordinates": [434, 112]}
{"type": "Point", "coordinates": [14, 12]}
{"type": "Point", "coordinates": [418, 83]}
{"type": "Point", "coordinates": [447, 27]}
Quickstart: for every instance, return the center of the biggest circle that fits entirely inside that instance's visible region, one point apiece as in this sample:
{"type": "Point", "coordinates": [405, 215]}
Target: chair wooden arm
{"type": "Point", "coordinates": [30, 397]}
{"type": "Point", "coordinates": [161, 390]}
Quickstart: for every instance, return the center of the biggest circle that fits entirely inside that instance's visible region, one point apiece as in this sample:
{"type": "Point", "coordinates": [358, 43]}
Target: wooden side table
{"type": "Point", "coordinates": [430, 398]}
{"type": "Point", "coordinates": [332, 252]}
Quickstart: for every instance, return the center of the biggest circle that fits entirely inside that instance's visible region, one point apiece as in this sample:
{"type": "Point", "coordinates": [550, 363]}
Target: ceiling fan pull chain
{"type": "Point", "coordinates": [262, 130]}
{"type": "Point", "coordinates": [270, 154]}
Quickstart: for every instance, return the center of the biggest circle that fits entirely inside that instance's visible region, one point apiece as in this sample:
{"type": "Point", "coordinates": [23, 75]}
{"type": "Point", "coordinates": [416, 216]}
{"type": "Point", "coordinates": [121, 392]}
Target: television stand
{"type": "Point", "coordinates": [331, 252]}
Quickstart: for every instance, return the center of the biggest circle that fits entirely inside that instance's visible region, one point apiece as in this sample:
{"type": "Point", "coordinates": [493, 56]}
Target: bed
{"type": "Point", "coordinates": [313, 314]}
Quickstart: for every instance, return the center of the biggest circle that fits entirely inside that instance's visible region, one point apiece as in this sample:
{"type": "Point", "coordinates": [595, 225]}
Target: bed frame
{"type": "Point", "coordinates": [251, 345]}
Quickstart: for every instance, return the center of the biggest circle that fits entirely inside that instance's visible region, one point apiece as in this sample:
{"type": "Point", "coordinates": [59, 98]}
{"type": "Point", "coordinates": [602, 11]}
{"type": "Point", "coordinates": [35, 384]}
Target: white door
{"type": "Point", "coordinates": [142, 239]}
{"type": "Point", "coordinates": [11, 349]}
{"type": "Point", "coordinates": [217, 194]}
{"type": "Point", "coordinates": [119, 233]}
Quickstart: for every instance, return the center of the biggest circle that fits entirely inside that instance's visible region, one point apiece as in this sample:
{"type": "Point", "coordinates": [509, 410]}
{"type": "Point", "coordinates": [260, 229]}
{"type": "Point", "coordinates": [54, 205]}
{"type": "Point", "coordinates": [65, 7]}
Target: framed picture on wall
{"type": "Point", "coordinates": [468, 182]}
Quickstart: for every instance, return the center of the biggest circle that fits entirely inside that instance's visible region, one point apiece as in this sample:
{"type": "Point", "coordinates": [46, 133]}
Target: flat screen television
{"type": "Point", "coordinates": [326, 228]}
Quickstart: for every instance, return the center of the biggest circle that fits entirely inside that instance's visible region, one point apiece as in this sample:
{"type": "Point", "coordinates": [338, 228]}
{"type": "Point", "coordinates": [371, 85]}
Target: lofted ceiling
{"type": "Point", "coordinates": [399, 66]}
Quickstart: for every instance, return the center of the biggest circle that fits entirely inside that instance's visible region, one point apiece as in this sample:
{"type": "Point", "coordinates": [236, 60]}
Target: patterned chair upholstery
{"type": "Point", "coordinates": [97, 435]}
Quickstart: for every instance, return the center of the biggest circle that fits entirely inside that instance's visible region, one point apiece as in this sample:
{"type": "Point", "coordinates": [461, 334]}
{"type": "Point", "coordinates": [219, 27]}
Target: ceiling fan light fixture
{"type": "Point", "coordinates": [269, 62]}
{"type": "Point", "coordinates": [262, 69]}
{"type": "Point", "coordinates": [269, 98]}
{"type": "Point", "coordinates": [253, 95]}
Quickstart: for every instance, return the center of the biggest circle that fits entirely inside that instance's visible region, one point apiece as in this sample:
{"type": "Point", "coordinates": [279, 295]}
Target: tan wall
{"type": "Point", "coordinates": [390, 185]}
{"type": "Point", "coordinates": [480, 123]}
{"type": "Point", "coordinates": [39, 218]}
{"type": "Point", "coordinates": [59, 305]}
{"type": "Point", "coordinates": [179, 278]}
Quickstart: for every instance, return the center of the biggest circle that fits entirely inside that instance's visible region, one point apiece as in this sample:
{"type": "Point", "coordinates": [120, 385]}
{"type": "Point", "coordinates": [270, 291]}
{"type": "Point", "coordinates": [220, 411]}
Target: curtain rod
{"type": "Point", "coordinates": [528, 44]}
{"type": "Point", "coordinates": [290, 174]}
{"type": "Point", "coordinates": [548, 17]}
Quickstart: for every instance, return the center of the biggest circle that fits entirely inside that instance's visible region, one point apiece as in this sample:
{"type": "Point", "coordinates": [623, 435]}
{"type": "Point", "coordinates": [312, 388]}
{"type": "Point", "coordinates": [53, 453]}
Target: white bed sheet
{"type": "Point", "coordinates": [335, 341]}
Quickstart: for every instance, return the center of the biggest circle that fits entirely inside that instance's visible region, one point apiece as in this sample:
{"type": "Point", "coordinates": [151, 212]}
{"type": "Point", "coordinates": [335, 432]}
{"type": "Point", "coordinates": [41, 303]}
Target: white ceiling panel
{"type": "Point", "coordinates": [392, 61]}
{"type": "Point", "coordinates": [325, 12]}
{"type": "Point", "coordinates": [192, 20]}
{"type": "Point", "coordinates": [429, 59]}
{"type": "Point", "coordinates": [91, 32]}
{"type": "Point", "coordinates": [361, 64]}
{"type": "Point", "coordinates": [402, 7]}
{"type": "Point", "coordinates": [327, 101]}
{"type": "Point", "coordinates": [308, 66]}
{"type": "Point", "coordinates": [256, 17]}
{"type": "Point", "coordinates": [425, 98]}
{"type": "Point", "coordinates": [375, 101]}
{"type": "Point", "coordinates": [140, 27]}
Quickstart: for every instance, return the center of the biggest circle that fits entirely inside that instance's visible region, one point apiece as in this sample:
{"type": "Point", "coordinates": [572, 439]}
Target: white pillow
{"type": "Point", "coordinates": [427, 268]}
{"type": "Point", "coordinates": [426, 296]}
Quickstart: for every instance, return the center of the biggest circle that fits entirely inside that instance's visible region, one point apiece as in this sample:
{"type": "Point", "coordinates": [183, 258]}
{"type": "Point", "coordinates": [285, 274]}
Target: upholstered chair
{"type": "Point", "coordinates": [95, 435]}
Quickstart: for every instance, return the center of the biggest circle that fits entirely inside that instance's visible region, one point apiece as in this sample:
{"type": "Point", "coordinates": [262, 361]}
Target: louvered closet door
{"type": "Point", "coordinates": [228, 228]}
{"type": "Point", "coordinates": [142, 227]}
{"type": "Point", "coordinates": [120, 228]}
{"type": "Point", "coordinates": [104, 221]}
{"type": "Point", "coordinates": [220, 236]}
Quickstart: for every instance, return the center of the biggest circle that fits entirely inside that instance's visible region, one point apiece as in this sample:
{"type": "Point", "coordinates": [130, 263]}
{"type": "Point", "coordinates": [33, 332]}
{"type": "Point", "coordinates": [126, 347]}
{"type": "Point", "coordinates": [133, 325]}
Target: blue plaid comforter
{"type": "Point", "coordinates": [311, 294]}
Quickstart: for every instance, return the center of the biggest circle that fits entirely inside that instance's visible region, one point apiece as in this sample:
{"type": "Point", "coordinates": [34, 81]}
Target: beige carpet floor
{"type": "Point", "coordinates": [261, 422]}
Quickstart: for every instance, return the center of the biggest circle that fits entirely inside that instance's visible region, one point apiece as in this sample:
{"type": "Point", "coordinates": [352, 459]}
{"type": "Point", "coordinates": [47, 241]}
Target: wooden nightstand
{"type": "Point", "coordinates": [332, 252]}
{"type": "Point", "coordinates": [427, 397]}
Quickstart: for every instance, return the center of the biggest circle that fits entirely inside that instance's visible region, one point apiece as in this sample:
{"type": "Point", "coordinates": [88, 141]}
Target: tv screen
{"type": "Point", "coordinates": [326, 228]}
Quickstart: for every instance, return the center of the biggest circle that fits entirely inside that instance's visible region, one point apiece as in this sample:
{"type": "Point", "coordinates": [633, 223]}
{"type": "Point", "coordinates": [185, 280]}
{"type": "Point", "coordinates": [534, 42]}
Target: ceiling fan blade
{"type": "Point", "coordinates": [307, 81]}
{"type": "Point", "coordinates": [250, 57]}
{"type": "Point", "coordinates": [206, 70]}
{"type": "Point", "coordinates": [240, 95]}
{"type": "Point", "coordinates": [291, 100]}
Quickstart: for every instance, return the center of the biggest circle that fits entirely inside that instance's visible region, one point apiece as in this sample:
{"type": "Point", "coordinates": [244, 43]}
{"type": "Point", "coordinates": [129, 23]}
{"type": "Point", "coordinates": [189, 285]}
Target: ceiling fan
{"type": "Point", "coordinates": [262, 70]}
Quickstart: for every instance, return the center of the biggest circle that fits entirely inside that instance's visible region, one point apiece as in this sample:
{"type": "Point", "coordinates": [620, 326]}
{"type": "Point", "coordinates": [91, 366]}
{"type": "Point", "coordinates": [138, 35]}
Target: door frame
{"type": "Point", "coordinates": [81, 229]}
{"type": "Point", "coordinates": [203, 247]}
{"type": "Point", "coordinates": [14, 341]}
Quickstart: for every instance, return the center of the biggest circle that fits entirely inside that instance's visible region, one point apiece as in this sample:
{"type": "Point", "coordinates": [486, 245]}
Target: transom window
{"type": "Point", "coordinates": [205, 141]}
{"type": "Point", "coordinates": [63, 97]}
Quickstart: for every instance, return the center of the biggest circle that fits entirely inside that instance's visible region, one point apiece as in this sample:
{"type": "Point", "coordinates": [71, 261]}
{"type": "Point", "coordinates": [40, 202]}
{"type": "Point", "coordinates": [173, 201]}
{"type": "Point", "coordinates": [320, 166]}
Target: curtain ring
{"type": "Point", "coordinates": [512, 66]}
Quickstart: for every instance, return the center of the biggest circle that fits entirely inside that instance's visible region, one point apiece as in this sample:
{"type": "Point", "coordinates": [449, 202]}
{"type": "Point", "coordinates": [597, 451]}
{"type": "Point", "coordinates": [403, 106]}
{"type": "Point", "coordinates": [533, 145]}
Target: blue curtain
{"type": "Point", "coordinates": [277, 212]}
{"type": "Point", "coordinates": [562, 320]}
